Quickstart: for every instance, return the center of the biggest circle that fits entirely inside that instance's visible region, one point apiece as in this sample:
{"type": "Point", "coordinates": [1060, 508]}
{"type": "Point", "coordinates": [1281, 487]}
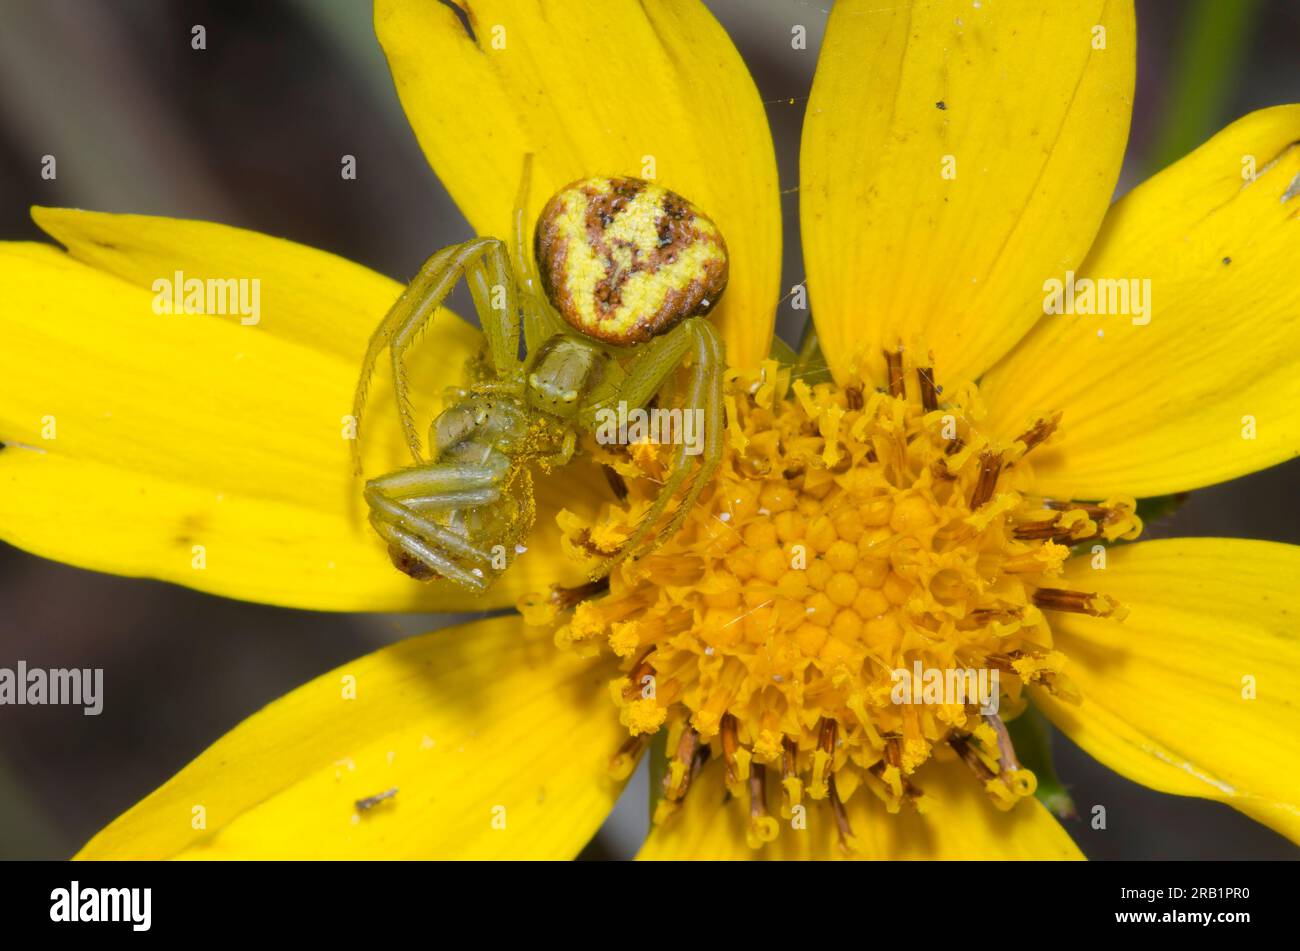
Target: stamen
{"type": "Point", "coordinates": [566, 599]}
{"type": "Point", "coordinates": [685, 765]}
{"type": "Point", "coordinates": [853, 397]}
{"type": "Point", "coordinates": [1078, 602]}
{"type": "Point", "coordinates": [961, 743]}
{"type": "Point", "coordinates": [929, 390]}
{"type": "Point", "coordinates": [990, 468]}
{"type": "Point", "coordinates": [622, 763]}
{"type": "Point", "coordinates": [762, 827]}
{"type": "Point", "coordinates": [1004, 614]}
{"type": "Point", "coordinates": [1059, 530]}
{"type": "Point", "coordinates": [538, 609]}
{"type": "Point", "coordinates": [636, 676]}
{"type": "Point", "coordinates": [894, 370]}
{"type": "Point", "coordinates": [730, 742]}
{"type": "Point", "coordinates": [1040, 431]}
{"type": "Point", "coordinates": [791, 784]}
{"type": "Point", "coordinates": [823, 758]}
{"type": "Point", "coordinates": [848, 841]}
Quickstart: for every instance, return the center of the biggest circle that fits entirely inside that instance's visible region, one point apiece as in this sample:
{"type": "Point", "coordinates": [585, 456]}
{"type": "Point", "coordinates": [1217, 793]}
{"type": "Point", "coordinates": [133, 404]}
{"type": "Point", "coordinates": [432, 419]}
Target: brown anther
{"type": "Point", "coordinates": [730, 743]}
{"type": "Point", "coordinates": [1076, 602]}
{"type": "Point", "coordinates": [583, 540]}
{"type": "Point", "coordinates": [893, 752]}
{"type": "Point", "coordinates": [894, 369]}
{"type": "Point", "coordinates": [966, 750]}
{"type": "Point", "coordinates": [1092, 510]}
{"type": "Point", "coordinates": [1049, 529]}
{"type": "Point", "coordinates": [643, 669]}
{"type": "Point", "coordinates": [1040, 431]}
{"type": "Point", "coordinates": [826, 735]}
{"type": "Point", "coordinates": [912, 792]}
{"type": "Point", "coordinates": [929, 390]}
{"type": "Point", "coordinates": [1037, 531]}
{"type": "Point", "coordinates": [853, 397]}
{"type": "Point", "coordinates": [955, 446]}
{"type": "Point", "coordinates": [789, 757]}
{"type": "Point", "coordinates": [988, 615]}
{"type": "Point", "coordinates": [987, 481]}
{"type": "Point", "coordinates": [616, 482]}
{"type": "Point", "coordinates": [566, 599]}
{"type": "Point", "coordinates": [629, 751]}
{"type": "Point", "coordinates": [841, 817]}
{"type": "Point", "coordinates": [688, 753]}
{"type": "Point", "coordinates": [758, 791]}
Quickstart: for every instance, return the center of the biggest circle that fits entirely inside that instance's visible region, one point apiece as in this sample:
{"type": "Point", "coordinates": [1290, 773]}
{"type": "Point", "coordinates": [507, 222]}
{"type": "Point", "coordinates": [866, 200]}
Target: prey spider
{"type": "Point", "coordinates": [628, 269]}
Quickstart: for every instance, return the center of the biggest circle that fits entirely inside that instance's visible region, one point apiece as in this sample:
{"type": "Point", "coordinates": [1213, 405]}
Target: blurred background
{"type": "Point", "coordinates": [249, 132]}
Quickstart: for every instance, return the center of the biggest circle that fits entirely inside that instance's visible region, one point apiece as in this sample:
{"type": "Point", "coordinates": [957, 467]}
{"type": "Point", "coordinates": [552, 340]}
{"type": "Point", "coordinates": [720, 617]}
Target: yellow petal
{"type": "Point", "coordinates": [1208, 389]}
{"type": "Point", "coordinates": [651, 90]}
{"type": "Point", "coordinates": [1195, 692]}
{"type": "Point", "coordinates": [953, 156]}
{"type": "Point", "coordinates": [196, 449]}
{"type": "Point", "coordinates": [496, 745]}
{"type": "Point", "coordinates": [960, 824]}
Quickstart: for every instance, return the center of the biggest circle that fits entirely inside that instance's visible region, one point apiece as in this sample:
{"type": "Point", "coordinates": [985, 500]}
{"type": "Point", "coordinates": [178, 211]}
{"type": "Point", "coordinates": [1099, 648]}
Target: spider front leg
{"type": "Point", "coordinates": [484, 262]}
{"type": "Point", "coordinates": [646, 376]}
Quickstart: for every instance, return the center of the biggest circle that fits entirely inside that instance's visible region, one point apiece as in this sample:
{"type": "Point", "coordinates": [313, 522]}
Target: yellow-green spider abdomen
{"type": "Point", "coordinates": [624, 260]}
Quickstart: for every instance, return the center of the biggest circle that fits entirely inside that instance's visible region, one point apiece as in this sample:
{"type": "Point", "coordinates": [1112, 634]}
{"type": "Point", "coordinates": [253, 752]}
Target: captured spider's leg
{"type": "Point", "coordinates": [409, 314]}
{"type": "Point", "coordinates": [425, 555]}
{"type": "Point", "coordinates": [447, 485]}
{"type": "Point", "coordinates": [429, 479]}
{"type": "Point", "coordinates": [387, 511]}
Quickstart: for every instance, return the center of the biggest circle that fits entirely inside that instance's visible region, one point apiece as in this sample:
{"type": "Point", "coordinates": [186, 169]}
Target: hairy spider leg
{"type": "Point", "coordinates": [484, 263]}
{"type": "Point", "coordinates": [540, 322]}
{"type": "Point", "coordinates": [647, 373]}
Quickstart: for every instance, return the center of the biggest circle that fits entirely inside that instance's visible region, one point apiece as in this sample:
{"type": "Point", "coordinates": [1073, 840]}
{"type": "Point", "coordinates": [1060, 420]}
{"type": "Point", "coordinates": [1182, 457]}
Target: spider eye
{"type": "Point", "coordinates": [623, 260]}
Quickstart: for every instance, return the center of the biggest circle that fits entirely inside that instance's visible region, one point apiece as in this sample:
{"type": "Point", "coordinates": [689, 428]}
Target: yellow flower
{"type": "Point", "coordinates": [955, 158]}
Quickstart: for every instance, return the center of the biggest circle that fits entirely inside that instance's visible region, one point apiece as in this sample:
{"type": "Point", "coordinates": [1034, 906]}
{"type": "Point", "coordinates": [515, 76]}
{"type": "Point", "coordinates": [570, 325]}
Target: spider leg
{"type": "Point", "coordinates": [445, 485]}
{"type": "Point", "coordinates": [412, 545]}
{"type": "Point", "coordinates": [398, 506]}
{"type": "Point", "coordinates": [540, 324]}
{"type": "Point", "coordinates": [386, 510]}
{"type": "Point", "coordinates": [415, 308]}
{"type": "Point", "coordinates": [704, 394]}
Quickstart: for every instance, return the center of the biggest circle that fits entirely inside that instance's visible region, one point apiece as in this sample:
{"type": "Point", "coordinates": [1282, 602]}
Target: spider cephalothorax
{"type": "Point", "coordinates": [628, 270]}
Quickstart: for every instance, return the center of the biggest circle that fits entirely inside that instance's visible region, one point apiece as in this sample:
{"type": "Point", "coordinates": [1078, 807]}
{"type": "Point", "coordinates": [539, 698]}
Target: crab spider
{"type": "Point", "coordinates": [627, 270]}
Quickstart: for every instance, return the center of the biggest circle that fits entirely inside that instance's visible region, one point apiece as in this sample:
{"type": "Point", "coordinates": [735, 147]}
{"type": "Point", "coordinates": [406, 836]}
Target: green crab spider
{"type": "Point", "coordinates": [628, 269]}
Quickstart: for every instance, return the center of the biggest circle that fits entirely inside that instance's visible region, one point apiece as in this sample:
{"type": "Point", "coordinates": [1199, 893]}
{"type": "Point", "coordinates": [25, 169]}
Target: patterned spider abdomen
{"type": "Point", "coordinates": [623, 260]}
